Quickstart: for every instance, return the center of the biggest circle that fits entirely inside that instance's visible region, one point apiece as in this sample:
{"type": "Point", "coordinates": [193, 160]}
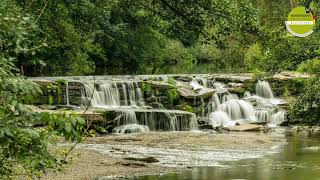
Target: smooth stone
{"type": "Point", "coordinates": [245, 127]}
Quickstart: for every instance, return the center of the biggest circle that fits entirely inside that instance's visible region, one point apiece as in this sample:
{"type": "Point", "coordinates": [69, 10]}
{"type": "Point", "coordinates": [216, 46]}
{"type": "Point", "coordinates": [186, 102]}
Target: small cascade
{"type": "Point", "coordinates": [125, 94]}
{"type": "Point", "coordinates": [247, 94]}
{"type": "Point", "coordinates": [263, 89]}
{"type": "Point", "coordinates": [131, 128]}
{"type": "Point", "coordinates": [238, 110]}
{"type": "Point", "coordinates": [129, 118]}
{"type": "Point", "coordinates": [227, 97]}
{"type": "Point", "coordinates": [203, 82]}
{"type": "Point", "coordinates": [159, 120]}
{"type": "Point", "coordinates": [220, 88]}
{"type": "Point", "coordinates": [277, 118]}
{"type": "Point", "coordinates": [230, 109]}
{"type": "Point", "coordinates": [196, 86]}
{"type": "Point", "coordinates": [264, 114]}
{"type": "Point", "coordinates": [220, 118]}
{"type": "Point", "coordinates": [67, 93]}
{"type": "Point", "coordinates": [115, 94]}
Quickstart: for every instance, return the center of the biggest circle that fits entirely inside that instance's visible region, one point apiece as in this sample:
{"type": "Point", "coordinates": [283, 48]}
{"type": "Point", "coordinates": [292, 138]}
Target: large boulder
{"type": "Point", "coordinates": [288, 75]}
{"type": "Point", "coordinates": [191, 94]}
{"type": "Point", "coordinates": [245, 127]}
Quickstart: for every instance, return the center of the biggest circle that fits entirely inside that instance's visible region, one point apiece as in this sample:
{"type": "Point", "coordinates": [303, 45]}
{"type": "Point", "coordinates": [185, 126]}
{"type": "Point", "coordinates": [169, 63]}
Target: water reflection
{"type": "Point", "coordinates": [299, 159]}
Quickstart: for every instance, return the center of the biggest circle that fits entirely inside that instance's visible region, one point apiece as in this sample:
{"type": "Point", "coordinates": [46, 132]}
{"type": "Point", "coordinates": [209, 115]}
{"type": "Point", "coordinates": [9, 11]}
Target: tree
{"type": "Point", "coordinates": [24, 148]}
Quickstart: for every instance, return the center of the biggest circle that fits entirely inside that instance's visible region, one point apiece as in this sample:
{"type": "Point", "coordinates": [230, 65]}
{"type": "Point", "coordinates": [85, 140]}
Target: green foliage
{"type": "Point", "coordinates": [311, 66]}
{"type": "Point", "coordinates": [53, 90]}
{"type": "Point", "coordinates": [259, 75]}
{"type": "Point", "coordinates": [171, 81]}
{"type": "Point", "coordinates": [173, 96]}
{"type": "Point", "coordinates": [146, 87]}
{"type": "Point", "coordinates": [62, 81]}
{"type": "Point", "coordinates": [23, 148]}
{"type": "Point", "coordinates": [69, 126]}
{"type": "Point", "coordinates": [254, 56]}
{"type": "Point", "coordinates": [188, 108]}
{"type": "Point", "coordinates": [305, 109]}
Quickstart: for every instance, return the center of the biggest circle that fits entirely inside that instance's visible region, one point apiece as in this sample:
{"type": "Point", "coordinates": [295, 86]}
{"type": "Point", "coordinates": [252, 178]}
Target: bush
{"type": "Point", "coordinates": [173, 96]}
{"type": "Point", "coordinates": [311, 66]}
{"type": "Point", "coordinates": [305, 109]}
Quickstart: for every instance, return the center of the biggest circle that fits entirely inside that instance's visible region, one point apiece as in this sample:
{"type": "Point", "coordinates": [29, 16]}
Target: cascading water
{"type": "Point", "coordinates": [203, 82]}
{"type": "Point", "coordinates": [122, 94]}
{"type": "Point", "coordinates": [127, 99]}
{"type": "Point", "coordinates": [163, 120]}
{"type": "Point", "coordinates": [263, 89]}
{"type": "Point", "coordinates": [277, 119]}
{"type": "Point", "coordinates": [229, 109]}
{"type": "Point", "coordinates": [238, 110]}
{"type": "Point", "coordinates": [110, 95]}
{"type": "Point", "coordinates": [131, 128]}
{"type": "Point", "coordinates": [220, 118]}
{"type": "Point", "coordinates": [223, 108]}
{"type": "Point", "coordinates": [67, 93]}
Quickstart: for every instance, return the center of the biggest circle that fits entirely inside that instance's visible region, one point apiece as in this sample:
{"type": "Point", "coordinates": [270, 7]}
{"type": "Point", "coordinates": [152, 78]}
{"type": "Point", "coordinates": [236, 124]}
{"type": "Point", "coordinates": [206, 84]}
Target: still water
{"type": "Point", "coordinates": [297, 160]}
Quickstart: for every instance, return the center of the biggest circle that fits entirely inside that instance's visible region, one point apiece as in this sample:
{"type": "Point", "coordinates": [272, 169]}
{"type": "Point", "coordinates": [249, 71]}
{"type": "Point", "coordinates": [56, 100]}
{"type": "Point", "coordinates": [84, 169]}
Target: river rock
{"type": "Point", "coordinates": [143, 159]}
{"type": "Point", "coordinates": [205, 126]}
{"type": "Point", "coordinates": [287, 75]}
{"type": "Point", "coordinates": [245, 127]}
{"type": "Point", "coordinates": [184, 78]}
{"type": "Point", "coordinates": [190, 94]}
{"type": "Point", "coordinates": [238, 78]}
{"type": "Point", "coordinates": [43, 82]}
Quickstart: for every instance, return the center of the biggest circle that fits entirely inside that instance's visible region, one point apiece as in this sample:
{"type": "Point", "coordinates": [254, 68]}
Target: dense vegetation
{"type": "Point", "coordinates": [144, 36]}
{"type": "Point", "coordinates": [82, 37]}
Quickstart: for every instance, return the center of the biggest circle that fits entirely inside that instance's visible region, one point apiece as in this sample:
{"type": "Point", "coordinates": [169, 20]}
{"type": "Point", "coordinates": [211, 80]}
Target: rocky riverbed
{"type": "Point", "coordinates": [139, 154]}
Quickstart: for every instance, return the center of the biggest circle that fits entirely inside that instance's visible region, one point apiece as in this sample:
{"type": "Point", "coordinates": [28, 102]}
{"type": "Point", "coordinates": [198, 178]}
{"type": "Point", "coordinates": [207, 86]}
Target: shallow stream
{"type": "Point", "coordinates": [298, 159]}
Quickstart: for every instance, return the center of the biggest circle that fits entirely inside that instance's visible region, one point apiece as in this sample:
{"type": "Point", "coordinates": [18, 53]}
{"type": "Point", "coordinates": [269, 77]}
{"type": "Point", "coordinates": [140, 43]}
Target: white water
{"type": "Point", "coordinates": [263, 89]}
{"type": "Point", "coordinates": [67, 93]}
{"type": "Point", "coordinates": [223, 108]}
{"type": "Point", "coordinates": [238, 109]}
{"type": "Point", "coordinates": [131, 128]}
{"type": "Point", "coordinates": [228, 109]}
{"type": "Point", "coordinates": [108, 94]}
{"type": "Point", "coordinates": [220, 118]}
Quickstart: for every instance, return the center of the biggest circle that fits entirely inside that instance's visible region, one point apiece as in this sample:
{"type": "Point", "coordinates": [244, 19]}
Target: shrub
{"type": "Point", "coordinates": [305, 109]}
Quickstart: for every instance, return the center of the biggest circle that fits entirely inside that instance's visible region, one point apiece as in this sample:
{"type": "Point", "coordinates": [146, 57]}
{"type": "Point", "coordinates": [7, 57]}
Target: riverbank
{"type": "Point", "coordinates": [160, 152]}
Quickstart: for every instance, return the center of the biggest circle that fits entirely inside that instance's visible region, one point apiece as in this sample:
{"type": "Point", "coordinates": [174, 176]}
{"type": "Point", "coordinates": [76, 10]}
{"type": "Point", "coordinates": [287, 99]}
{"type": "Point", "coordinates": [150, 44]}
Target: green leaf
{"type": "Point", "coordinates": [68, 127]}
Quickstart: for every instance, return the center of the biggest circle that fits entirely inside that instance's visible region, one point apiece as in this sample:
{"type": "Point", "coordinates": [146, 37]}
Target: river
{"type": "Point", "coordinates": [298, 159]}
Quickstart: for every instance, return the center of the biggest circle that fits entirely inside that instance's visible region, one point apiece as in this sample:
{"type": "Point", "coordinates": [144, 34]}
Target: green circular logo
{"type": "Point", "coordinates": [301, 21]}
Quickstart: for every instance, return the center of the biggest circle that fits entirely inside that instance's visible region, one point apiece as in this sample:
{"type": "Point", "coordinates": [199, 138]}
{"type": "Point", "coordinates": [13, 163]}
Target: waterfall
{"type": "Point", "coordinates": [129, 118]}
{"type": "Point", "coordinates": [263, 89]}
{"type": "Point", "coordinates": [110, 95]}
{"type": "Point", "coordinates": [247, 94]}
{"type": "Point", "coordinates": [125, 95]}
{"type": "Point", "coordinates": [220, 88]}
{"type": "Point", "coordinates": [277, 118]}
{"type": "Point", "coordinates": [67, 93]}
{"type": "Point", "coordinates": [227, 97]}
{"type": "Point", "coordinates": [264, 114]}
{"type": "Point", "coordinates": [131, 128]}
{"type": "Point", "coordinates": [165, 120]}
{"type": "Point", "coordinates": [238, 109]}
{"type": "Point", "coordinates": [203, 82]}
{"type": "Point", "coordinates": [213, 103]}
{"type": "Point", "coordinates": [196, 86]}
{"type": "Point", "coordinates": [220, 118]}
{"type": "Point", "coordinates": [222, 109]}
